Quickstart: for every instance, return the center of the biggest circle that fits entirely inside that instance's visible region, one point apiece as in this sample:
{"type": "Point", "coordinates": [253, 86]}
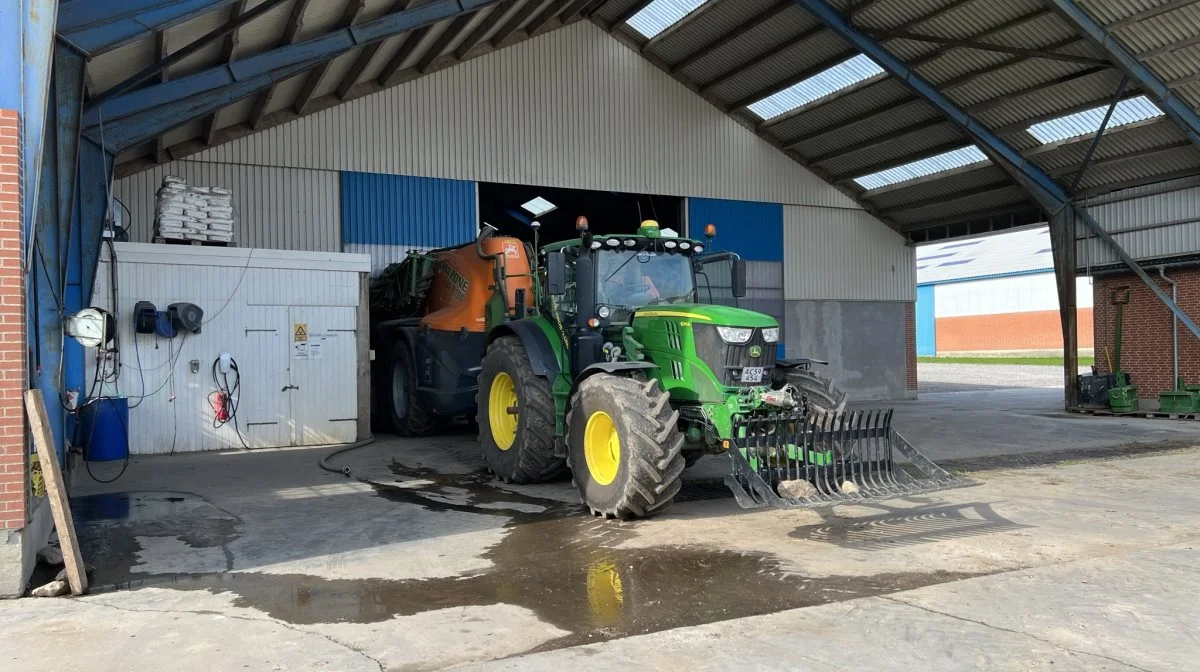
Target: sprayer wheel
{"type": "Point", "coordinates": [624, 447]}
{"type": "Point", "coordinates": [516, 416]}
{"type": "Point", "coordinates": [409, 415]}
{"type": "Point", "coordinates": [821, 392]}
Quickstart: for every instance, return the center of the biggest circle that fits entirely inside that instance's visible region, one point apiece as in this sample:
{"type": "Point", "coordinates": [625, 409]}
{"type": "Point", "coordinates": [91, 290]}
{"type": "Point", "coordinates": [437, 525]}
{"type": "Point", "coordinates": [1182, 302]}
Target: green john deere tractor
{"type": "Point", "coordinates": [626, 369]}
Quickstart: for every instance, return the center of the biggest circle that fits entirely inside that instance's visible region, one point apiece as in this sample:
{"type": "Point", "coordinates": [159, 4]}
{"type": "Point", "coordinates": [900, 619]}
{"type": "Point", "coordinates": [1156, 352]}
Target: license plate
{"type": "Point", "coordinates": [752, 374]}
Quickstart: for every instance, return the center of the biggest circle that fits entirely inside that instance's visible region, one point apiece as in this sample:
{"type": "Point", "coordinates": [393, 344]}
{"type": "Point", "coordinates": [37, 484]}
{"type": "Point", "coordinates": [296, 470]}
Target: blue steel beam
{"type": "Point", "coordinates": [1158, 90]}
{"type": "Point", "coordinates": [163, 64]}
{"type": "Point", "coordinates": [97, 26]}
{"type": "Point", "coordinates": [163, 97]}
{"type": "Point", "coordinates": [37, 50]}
{"type": "Point", "coordinates": [1051, 195]}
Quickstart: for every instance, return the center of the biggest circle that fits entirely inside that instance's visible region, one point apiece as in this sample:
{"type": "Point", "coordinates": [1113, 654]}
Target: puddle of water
{"type": "Point", "coordinates": [554, 560]}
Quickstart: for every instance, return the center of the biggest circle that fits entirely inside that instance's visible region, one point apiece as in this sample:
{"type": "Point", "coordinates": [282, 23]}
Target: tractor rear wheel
{"type": "Point", "coordinates": [624, 446]}
{"type": "Point", "coordinates": [515, 416]}
{"type": "Point", "coordinates": [409, 415]}
{"type": "Point", "coordinates": [820, 391]}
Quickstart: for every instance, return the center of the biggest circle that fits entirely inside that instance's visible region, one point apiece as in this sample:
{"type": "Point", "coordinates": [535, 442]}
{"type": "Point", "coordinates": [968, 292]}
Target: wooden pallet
{"type": "Point", "coordinates": [1135, 414]}
{"type": "Point", "coordinates": [158, 240]}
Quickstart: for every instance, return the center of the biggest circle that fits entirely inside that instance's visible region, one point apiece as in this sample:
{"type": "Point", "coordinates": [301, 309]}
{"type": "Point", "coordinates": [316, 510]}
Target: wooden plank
{"type": "Point", "coordinates": [56, 490]}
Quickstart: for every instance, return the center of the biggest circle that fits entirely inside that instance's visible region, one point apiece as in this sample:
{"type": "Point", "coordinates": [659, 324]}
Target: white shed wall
{"type": "Point", "coordinates": [275, 208]}
{"type": "Point", "coordinates": [848, 255]}
{"type": "Point", "coordinates": [993, 296]}
{"type": "Point", "coordinates": [250, 299]}
{"type": "Point", "coordinates": [572, 108]}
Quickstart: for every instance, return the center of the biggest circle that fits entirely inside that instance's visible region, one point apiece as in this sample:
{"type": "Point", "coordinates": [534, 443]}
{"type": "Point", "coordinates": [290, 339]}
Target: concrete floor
{"type": "Point", "coordinates": [941, 377]}
{"type": "Point", "coordinates": [264, 561]}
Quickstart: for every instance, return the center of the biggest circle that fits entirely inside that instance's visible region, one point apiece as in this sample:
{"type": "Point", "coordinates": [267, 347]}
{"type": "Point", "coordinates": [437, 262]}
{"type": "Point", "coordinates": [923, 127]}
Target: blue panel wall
{"type": "Point", "coordinates": [753, 230]}
{"type": "Point", "coordinates": [387, 215]}
{"type": "Point", "coordinates": [926, 322]}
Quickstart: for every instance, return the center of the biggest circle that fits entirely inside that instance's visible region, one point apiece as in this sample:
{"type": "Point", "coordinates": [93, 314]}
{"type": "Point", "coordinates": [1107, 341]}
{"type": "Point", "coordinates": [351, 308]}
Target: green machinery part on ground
{"type": "Point", "coordinates": [1122, 396]}
{"type": "Point", "coordinates": [626, 368]}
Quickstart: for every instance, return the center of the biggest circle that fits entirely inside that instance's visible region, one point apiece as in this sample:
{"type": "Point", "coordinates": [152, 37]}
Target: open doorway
{"type": "Point", "coordinates": [511, 207]}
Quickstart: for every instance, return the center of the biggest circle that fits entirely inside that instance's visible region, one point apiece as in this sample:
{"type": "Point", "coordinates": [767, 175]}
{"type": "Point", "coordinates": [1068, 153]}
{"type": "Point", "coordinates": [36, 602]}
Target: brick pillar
{"type": "Point", "coordinates": [910, 346]}
{"type": "Point", "coordinates": [14, 482]}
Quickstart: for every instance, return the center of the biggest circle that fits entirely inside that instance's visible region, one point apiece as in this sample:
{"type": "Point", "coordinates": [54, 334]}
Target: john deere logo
{"type": "Point", "coordinates": [755, 351]}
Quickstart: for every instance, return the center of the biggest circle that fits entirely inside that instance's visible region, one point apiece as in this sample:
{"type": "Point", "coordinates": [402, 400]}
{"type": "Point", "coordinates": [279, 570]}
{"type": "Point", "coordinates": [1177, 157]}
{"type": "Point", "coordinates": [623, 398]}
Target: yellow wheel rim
{"type": "Point", "coordinates": [602, 448]}
{"type": "Point", "coordinates": [501, 398]}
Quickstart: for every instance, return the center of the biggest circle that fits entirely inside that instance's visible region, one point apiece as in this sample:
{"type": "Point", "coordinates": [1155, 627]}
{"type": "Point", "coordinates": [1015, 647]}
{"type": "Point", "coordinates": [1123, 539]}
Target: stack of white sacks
{"type": "Point", "coordinates": [193, 213]}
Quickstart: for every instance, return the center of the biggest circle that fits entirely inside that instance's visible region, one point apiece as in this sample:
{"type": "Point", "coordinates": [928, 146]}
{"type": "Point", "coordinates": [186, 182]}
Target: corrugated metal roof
{"type": "Point", "coordinates": [739, 50]}
{"type": "Point", "coordinates": [937, 163]}
{"type": "Point", "coordinates": [1016, 252]}
{"type": "Point", "coordinates": [1088, 121]}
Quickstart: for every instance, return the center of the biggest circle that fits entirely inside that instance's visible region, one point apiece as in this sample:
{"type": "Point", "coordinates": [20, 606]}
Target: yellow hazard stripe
{"type": "Point", "coordinates": [672, 313]}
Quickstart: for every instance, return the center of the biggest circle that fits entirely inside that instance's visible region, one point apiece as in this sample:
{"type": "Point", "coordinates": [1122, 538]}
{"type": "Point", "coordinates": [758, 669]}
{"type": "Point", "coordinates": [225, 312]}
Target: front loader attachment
{"type": "Point", "coordinates": [821, 458]}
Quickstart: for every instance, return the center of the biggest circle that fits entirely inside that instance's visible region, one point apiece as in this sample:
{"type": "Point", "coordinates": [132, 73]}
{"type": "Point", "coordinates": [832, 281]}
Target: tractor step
{"type": "Point", "coordinates": [822, 458]}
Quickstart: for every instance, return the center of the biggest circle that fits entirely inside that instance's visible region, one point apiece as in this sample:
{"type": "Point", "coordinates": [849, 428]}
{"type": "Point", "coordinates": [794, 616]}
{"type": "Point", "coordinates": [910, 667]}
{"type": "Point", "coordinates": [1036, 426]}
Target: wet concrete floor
{"type": "Point", "coordinates": [563, 565]}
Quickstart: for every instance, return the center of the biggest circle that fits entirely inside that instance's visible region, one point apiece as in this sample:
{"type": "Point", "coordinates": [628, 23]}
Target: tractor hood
{"type": "Point", "coordinates": [703, 313]}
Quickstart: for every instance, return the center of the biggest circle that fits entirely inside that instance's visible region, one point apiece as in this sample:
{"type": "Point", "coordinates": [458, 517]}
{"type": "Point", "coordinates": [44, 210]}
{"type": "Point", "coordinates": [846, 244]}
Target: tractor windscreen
{"type": "Point", "coordinates": [630, 279]}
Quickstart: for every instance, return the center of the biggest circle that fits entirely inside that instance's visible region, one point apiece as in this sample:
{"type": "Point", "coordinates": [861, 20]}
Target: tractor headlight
{"type": "Point", "coordinates": [604, 312]}
{"type": "Point", "coordinates": [735, 335]}
{"type": "Point", "coordinates": [771, 335]}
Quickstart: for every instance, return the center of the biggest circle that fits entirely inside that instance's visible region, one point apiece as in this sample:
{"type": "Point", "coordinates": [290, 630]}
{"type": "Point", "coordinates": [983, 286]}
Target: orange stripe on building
{"type": "Point", "coordinates": [1034, 330]}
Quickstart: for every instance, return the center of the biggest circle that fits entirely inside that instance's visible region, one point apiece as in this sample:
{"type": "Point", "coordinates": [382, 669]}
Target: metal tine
{"type": "Point", "coordinates": [855, 454]}
{"type": "Point", "coordinates": [872, 462]}
{"type": "Point", "coordinates": [823, 449]}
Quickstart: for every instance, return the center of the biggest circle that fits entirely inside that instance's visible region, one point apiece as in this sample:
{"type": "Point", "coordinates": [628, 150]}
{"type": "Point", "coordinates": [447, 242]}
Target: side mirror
{"type": "Point", "coordinates": [556, 273]}
{"type": "Point", "coordinates": [739, 278]}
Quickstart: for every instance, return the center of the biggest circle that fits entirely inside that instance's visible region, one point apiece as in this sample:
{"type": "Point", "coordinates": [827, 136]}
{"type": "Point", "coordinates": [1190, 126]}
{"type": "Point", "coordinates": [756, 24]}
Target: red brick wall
{"type": "Point", "coordinates": [13, 469]}
{"type": "Point", "coordinates": [1032, 330]}
{"type": "Point", "coordinates": [1146, 354]}
{"type": "Point", "coordinates": [910, 345]}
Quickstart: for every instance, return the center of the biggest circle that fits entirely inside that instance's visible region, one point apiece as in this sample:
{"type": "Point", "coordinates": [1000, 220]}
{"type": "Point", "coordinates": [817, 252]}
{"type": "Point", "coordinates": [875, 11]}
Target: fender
{"type": "Point", "coordinates": [541, 354]}
{"type": "Point", "coordinates": [615, 368]}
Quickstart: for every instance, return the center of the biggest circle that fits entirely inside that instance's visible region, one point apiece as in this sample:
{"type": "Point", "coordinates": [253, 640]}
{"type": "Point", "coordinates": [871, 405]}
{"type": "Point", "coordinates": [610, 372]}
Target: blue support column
{"type": "Point", "coordinates": [68, 105]}
{"type": "Point", "coordinates": [1051, 195]}
{"type": "Point", "coordinates": [37, 23]}
{"type": "Point", "coordinates": [1178, 110]}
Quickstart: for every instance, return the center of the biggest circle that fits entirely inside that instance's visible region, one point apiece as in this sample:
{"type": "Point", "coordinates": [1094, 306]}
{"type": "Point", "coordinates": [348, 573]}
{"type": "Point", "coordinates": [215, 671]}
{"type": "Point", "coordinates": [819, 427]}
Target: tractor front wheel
{"type": "Point", "coordinates": [624, 446]}
{"type": "Point", "coordinates": [515, 416]}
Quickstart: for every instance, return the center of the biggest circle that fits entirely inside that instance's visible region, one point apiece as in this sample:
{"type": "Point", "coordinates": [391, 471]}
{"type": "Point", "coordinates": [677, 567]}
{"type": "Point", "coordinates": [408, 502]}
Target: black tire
{"type": "Point", "coordinates": [692, 458]}
{"type": "Point", "coordinates": [820, 391]}
{"type": "Point", "coordinates": [530, 457]}
{"type": "Point", "coordinates": [409, 416]}
{"type": "Point", "coordinates": [649, 463]}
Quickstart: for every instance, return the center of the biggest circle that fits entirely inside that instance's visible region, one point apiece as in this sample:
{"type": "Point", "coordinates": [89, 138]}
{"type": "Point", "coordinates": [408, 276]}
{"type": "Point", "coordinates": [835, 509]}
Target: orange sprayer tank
{"type": "Point", "coordinates": [462, 283]}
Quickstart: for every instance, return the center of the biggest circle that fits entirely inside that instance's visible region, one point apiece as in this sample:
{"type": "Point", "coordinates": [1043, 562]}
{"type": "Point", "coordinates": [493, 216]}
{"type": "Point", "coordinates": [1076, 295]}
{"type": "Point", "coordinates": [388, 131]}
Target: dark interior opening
{"type": "Point", "coordinates": [607, 211]}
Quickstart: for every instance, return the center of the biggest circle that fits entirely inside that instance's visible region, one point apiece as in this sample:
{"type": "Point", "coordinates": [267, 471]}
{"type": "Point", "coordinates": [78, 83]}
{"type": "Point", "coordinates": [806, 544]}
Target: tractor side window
{"type": "Point", "coordinates": [714, 282]}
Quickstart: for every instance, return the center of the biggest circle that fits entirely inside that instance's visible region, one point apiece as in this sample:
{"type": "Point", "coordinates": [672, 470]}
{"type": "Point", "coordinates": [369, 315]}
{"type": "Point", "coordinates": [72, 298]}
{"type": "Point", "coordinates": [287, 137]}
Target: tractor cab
{"type": "Point", "coordinates": [625, 273]}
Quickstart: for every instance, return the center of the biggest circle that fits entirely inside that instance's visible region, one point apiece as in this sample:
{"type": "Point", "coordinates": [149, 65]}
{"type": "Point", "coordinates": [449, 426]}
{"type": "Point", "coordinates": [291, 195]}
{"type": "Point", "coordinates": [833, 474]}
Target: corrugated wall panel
{"type": "Point", "coordinates": [276, 208]}
{"type": "Point", "coordinates": [995, 296]}
{"type": "Point", "coordinates": [572, 108]}
{"type": "Point", "coordinates": [830, 253]}
{"type": "Point", "coordinates": [387, 215]}
{"type": "Point", "coordinates": [753, 230]}
{"type": "Point", "coordinates": [1125, 219]}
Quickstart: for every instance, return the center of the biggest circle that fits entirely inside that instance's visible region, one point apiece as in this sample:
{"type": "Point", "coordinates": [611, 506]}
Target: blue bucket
{"type": "Point", "coordinates": [104, 429]}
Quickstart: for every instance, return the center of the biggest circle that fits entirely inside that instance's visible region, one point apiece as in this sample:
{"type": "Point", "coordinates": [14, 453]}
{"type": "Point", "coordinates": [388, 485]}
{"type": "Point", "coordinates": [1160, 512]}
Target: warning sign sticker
{"type": "Point", "coordinates": [300, 332]}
